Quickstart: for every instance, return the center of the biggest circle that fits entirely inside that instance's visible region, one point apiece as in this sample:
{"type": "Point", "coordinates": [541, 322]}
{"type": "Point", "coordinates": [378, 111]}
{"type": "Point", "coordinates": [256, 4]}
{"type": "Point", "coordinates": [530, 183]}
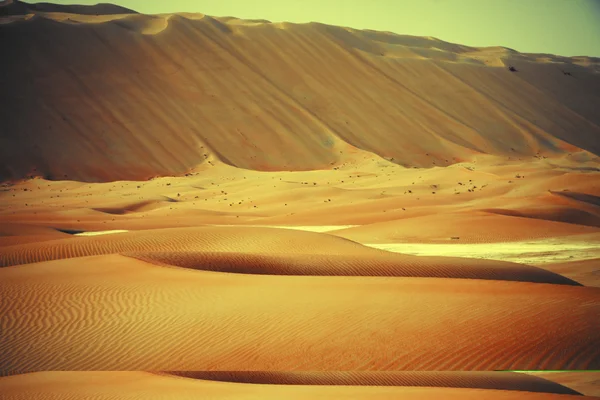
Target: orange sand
{"type": "Point", "coordinates": [128, 385]}
{"type": "Point", "coordinates": [479, 380]}
{"type": "Point", "coordinates": [163, 318]}
{"type": "Point", "coordinates": [585, 382]}
{"type": "Point", "coordinates": [176, 131]}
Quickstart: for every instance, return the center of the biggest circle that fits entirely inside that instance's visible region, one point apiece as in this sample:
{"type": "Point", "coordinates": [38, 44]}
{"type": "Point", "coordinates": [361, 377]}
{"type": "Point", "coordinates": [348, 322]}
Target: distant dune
{"type": "Point", "coordinates": [15, 7]}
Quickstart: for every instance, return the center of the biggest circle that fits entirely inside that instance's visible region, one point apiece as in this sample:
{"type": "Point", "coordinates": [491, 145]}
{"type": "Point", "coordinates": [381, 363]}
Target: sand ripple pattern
{"type": "Point", "coordinates": [208, 238]}
{"type": "Point", "coordinates": [255, 250]}
{"type": "Point", "coordinates": [457, 379]}
{"type": "Point", "coordinates": [144, 385]}
{"type": "Point", "coordinates": [377, 264]}
{"type": "Point", "coordinates": [118, 313]}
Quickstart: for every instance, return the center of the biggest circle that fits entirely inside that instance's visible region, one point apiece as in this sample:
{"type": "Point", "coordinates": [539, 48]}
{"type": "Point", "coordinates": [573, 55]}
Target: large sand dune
{"type": "Point", "coordinates": [292, 96]}
{"type": "Point", "coordinates": [134, 385]}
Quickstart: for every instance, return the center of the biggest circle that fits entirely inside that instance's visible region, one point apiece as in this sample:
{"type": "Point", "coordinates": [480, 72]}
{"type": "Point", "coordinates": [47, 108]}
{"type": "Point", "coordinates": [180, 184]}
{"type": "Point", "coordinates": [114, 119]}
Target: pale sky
{"type": "Point", "coordinates": [562, 27]}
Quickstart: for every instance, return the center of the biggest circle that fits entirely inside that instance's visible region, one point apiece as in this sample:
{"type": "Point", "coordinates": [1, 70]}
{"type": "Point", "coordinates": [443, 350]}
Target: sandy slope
{"type": "Point", "coordinates": [270, 251]}
{"type": "Point", "coordinates": [136, 385]}
{"type": "Point", "coordinates": [586, 272]}
{"type": "Point", "coordinates": [292, 96]}
{"type": "Point", "coordinates": [585, 382]}
{"type": "Point", "coordinates": [457, 379]}
{"type": "Point", "coordinates": [79, 314]}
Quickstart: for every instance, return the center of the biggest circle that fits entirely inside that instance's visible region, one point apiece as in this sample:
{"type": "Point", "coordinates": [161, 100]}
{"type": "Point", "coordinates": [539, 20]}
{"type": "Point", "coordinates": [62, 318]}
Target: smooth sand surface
{"type": "Point", "coordinates": [137, 385]}
{"type": "Point", "coordinates": [182, 192]}
{"type": "Point", "coordinates": [586, 272]}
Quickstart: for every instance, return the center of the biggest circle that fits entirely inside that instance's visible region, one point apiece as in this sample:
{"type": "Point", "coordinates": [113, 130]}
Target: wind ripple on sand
{"type": "Point", "coordinates": [256, 250]}
{"type": "Point", "coordinates": [118, 313]}
{"type": "Point", "coordinates": [145, 385]}
{"type": "Point", "coordinates": [250, 240]}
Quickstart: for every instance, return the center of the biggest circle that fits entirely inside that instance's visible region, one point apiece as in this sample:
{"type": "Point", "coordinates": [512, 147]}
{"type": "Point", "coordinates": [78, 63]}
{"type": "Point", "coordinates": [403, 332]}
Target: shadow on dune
{"type": "Point", "coordinates": [471, 379]}
{"type": "Point", "coordinates": [392, 265]}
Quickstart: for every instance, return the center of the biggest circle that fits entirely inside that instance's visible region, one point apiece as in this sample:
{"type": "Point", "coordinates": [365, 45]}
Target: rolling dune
{"type": "Point", "coordinates": [257, 250]}
{"type": "Point", "coordinates": [469, 227]}
{"type": "Point", "coordinates": [471, 379]}
{"type": "Point", "coordinates": [206, 238]}
{"type": "Point", "coordinates": [586, 272]}
{"type": "Point", "coordinates": [12, 7]}
{"type": "Point", "coordinates": [118, 313]}
{"type": "Point", "coordinates": [134, 385]}
{"type": "Point", "coordinates": [399, 265]}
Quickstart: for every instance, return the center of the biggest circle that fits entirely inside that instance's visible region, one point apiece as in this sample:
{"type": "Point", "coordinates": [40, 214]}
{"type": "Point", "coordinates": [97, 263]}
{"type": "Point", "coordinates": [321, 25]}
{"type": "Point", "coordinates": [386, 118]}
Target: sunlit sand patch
{"type": "Point", "coordinates": [533, 252]}
{"type": "Point", "coordinates": [97, 233]}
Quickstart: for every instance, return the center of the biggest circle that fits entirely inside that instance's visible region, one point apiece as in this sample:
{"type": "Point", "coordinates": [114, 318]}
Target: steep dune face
{"type": "Point", "coordinates": [137, 96]}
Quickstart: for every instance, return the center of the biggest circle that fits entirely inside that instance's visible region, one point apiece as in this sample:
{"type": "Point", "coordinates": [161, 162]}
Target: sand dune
{"type": "Point", "coordinates": [206, 238]}
{"type": "Point", "coordinates": [398, 265]}
{"type": "Point", "coordinates": [255, 250]}
{"type": "Point", "coordinates": [12, 7]}
{"type": "Point", "coordinates": [471, 379]}
{"type": "Point", "coordinates": [158, 318]}
{"type": "Point", "coordinates": [585, 382]}
{"type": "Point", "coordinates": [16, 234]}
{"type": "Point", "coordinates": [128, 385]}
{"type": "Point", "coordinates": [469, 227]}
{"type": "Point", "coordinates": [251, 78]}
{"type": "Point", "coordinates": [586, 272]}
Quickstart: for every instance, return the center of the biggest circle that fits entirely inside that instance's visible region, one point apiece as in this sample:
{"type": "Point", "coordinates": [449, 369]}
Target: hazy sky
{"type": "Point", "coordinates": [563, 27]}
